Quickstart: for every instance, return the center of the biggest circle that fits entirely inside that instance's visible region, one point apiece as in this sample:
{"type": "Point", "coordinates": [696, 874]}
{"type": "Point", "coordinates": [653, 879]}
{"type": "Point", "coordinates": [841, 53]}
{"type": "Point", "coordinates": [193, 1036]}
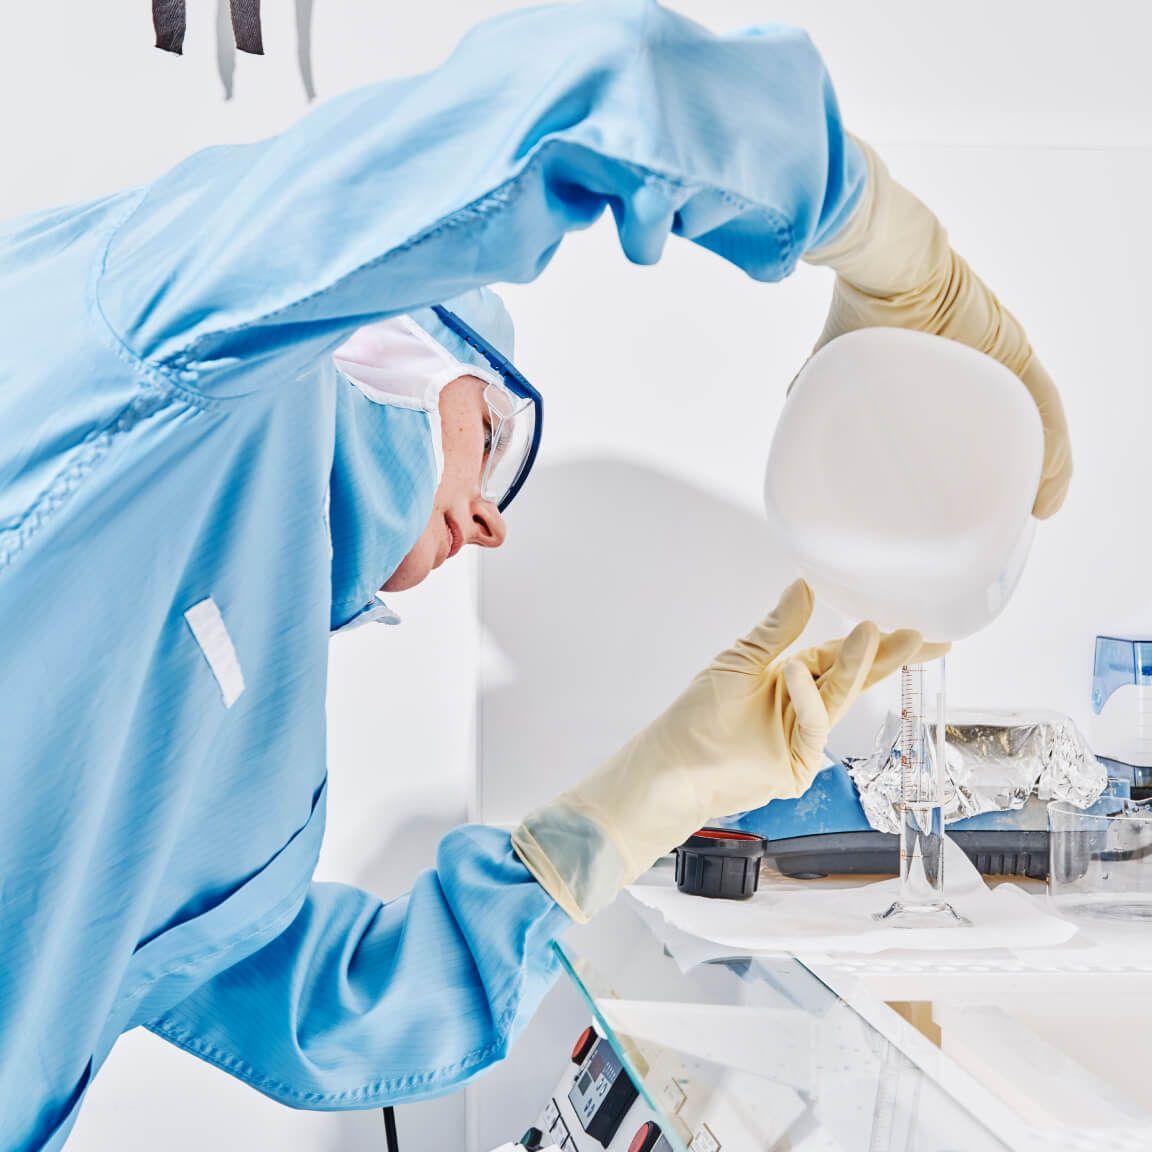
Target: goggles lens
{"type": "Point", "coordinates": [515, 413]}
{"type": "Point", "coordinates": [511, 435]}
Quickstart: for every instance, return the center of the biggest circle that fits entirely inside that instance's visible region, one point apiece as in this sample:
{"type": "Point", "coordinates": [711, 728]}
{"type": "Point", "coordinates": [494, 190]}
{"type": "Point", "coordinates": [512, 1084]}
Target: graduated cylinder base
{"type": "Point", "coordinates": [938, 915]}
{"type": "Point", "coordinates": [921, 903]}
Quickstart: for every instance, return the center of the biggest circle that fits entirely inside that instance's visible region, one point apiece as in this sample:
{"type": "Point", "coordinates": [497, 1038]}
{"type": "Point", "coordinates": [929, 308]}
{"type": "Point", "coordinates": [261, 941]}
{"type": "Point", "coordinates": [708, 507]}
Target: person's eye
{"type": "Point", "coordinates": [487, 439]}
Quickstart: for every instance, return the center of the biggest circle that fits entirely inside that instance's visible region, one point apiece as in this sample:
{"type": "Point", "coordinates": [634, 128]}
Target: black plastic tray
{"type": "Point", "coordinates": [994, 853]}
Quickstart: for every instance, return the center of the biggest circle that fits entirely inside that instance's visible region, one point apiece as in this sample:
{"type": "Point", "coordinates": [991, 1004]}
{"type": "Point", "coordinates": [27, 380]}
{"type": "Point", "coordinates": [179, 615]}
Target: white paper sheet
{"type": "Point", "coordinates": [841, 920]}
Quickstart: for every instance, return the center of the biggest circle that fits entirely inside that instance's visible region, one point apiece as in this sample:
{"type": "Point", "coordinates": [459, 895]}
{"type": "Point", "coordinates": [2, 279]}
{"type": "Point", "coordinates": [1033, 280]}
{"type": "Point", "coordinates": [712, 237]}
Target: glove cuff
{"type": "Point", "coordinates": [572, 858]}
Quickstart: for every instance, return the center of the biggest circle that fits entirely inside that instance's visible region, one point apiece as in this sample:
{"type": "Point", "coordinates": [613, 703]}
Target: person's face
{"type": "Point", "coordinates": [460, 515]}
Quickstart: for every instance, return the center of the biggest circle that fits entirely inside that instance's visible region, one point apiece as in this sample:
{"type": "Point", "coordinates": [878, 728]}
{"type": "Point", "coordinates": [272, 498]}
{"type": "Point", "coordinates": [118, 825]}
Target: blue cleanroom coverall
{"type": "Point", "coordinates": [191, 499]}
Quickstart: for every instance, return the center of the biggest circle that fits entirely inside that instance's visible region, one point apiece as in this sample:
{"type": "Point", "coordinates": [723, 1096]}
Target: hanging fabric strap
{"type": "Point", "coordinates": [170, 21]}
{"type": "Point", "coordinates": [246, 26]}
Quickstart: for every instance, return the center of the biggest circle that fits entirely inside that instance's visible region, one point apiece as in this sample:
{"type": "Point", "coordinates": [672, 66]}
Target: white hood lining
{"type": "Point", "coordinates": [396, 362]}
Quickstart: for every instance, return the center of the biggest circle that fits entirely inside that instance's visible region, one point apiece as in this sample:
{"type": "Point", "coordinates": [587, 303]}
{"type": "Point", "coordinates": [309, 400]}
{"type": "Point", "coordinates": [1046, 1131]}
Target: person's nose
{"type": "Point", "coordinates": [488, 529]}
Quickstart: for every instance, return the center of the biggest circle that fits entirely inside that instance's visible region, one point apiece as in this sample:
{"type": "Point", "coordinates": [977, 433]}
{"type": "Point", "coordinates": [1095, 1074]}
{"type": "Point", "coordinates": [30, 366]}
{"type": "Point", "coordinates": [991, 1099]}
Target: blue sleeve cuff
{"type": "Point", "coordinates": [359, 1004]}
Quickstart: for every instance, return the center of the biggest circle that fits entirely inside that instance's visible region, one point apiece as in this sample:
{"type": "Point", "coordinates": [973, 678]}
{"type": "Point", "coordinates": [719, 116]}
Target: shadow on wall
{"type": "Point", "coordinates": [618, 583]}
{"type": "Point", "coordinates": [226, 47]}
{"type": "Point", "coordinates": [391, 870]}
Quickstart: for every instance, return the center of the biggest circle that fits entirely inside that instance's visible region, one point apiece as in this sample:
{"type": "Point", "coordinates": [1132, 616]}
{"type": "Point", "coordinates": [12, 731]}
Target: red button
{"type": "Point", "coordinates": [645, 1139]}
{"type": "Point", "coordinates": [583, 1046]}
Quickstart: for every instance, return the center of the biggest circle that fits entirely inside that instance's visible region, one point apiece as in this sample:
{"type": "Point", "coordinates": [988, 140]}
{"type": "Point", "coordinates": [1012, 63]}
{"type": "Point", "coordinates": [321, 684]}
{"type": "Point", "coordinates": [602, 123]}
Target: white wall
{"type": "Point", "coordinates": [639, 549]}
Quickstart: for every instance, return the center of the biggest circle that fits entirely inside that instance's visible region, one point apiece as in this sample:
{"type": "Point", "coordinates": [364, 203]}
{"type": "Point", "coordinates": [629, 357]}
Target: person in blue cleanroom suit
{"type": "Point", "coordinates": [193, 496]}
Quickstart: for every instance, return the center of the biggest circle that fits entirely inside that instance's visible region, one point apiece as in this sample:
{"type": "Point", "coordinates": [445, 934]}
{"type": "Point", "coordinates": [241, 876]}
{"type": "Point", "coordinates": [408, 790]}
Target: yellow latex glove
{"type": "Point", "coordinates": [749, 729]}
{"type": "Point", "coordinates": [895, 269]}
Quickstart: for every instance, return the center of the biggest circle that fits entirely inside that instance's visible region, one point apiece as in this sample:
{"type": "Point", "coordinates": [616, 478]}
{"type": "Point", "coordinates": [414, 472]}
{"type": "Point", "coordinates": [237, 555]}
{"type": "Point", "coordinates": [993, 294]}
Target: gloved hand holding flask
{"type": "Point", "coordinates": [895, 269]}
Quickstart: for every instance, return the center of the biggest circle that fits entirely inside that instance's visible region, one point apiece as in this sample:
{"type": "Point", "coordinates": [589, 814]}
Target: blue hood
{"type": "Point", "coordinates": [384, 465]}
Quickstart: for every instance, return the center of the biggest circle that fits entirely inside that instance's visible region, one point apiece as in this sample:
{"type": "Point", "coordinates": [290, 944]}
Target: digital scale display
{"type": "Point", "coordinates": [594, 1083]}
{"type": "Point", "coordinates": [602, 1093]}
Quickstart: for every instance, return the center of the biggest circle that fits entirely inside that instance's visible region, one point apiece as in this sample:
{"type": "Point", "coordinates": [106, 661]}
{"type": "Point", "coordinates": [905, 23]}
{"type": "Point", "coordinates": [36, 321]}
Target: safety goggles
{"type": "Point", "coordinates": [515, 416]}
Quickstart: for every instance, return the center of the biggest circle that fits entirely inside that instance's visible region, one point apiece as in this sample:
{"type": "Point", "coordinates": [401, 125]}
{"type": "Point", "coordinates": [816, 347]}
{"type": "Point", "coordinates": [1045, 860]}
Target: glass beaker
{"type": "Point", "coordinates": [1100, 859]}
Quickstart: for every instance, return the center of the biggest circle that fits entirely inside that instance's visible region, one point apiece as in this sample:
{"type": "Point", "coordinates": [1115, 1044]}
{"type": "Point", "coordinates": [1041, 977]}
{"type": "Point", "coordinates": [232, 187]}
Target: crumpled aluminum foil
{"type": "Point", "coordinates": [995, 761]}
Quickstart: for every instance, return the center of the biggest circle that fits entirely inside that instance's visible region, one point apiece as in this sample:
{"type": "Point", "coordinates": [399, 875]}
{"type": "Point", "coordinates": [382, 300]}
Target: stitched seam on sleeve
{"type": "Point", "coordinates": [154, 393]}
{"type": "Point", "coordinates": [154, 373]}
{"type": "Point", "coordinates": [387, 1087]}
{"type": "Point", "coordinates": [66, 481]}
{"type": "Point", "coordinates": [277, 918]}
{"type": "Point", "coordinates": [511, 993]}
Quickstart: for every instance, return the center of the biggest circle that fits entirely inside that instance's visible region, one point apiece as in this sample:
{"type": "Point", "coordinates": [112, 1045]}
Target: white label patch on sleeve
{"type": "Point", "coordinates": [211, 634]}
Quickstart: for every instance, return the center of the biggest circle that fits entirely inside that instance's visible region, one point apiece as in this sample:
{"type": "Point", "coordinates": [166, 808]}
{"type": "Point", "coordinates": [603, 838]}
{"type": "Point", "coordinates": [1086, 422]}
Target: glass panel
{"type": "Point", "coordinates": [759, 1050]}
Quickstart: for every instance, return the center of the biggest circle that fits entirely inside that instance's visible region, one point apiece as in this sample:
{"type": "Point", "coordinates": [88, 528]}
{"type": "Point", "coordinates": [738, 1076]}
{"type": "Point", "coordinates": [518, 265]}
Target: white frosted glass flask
{"type": "Point", "coordinates": [902, 474]}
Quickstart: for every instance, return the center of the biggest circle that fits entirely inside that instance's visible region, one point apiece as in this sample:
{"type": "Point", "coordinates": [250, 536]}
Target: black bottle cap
{"type": "Point", "coordinates": [720, 863]}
